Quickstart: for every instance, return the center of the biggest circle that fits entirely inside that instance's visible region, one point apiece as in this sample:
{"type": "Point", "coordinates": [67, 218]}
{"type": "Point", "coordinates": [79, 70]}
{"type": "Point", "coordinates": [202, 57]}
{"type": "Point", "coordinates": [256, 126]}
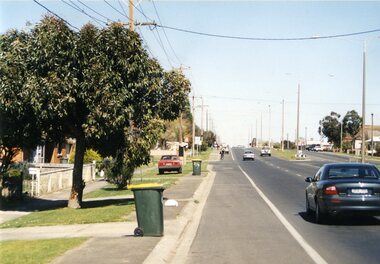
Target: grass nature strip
{"type": "Point", "coordinates": [36, 251]}
{"type": "Point", "coordinates": [113, 209]}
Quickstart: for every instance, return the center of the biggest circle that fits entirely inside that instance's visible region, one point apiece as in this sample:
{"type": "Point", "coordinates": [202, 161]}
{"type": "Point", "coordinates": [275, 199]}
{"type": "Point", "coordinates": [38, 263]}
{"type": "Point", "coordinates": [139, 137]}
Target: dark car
{"type": "Point", "coordinates": [169, 163]}
{"type": "Point", "coordinates": [343, 188]}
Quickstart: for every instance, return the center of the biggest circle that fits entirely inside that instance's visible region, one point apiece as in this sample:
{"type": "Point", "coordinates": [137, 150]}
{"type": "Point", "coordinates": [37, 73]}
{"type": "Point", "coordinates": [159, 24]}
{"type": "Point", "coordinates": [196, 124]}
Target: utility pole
{"type": "Point", "coordinates": [261, 127]}
{"type": "Point", "coordinates": [363, 106]}
{"type": "Point", "coordinates": [270, 141]}
{"type": "Point", "coordinates": [180, 127]}
{"type": "Point", "coordinates": [256, 134]}
{"type": "Point", "coordinates": [287, 140]}
{"type": "Point", "coordinates": [193, 132]}
{"type": "Point", "coordinates": [305, 137]}
{"type": "Point", "coordinates": [282, 127]}
{"type": "Point", "coordinates": [131, 11]}
{"type": "Point", "coordinates": [207, 119]}
{"type": "Point", "coordinates": [341, 136]}
{"type": "Point", "coordinates": [298, 118]}
{"type": "Point", "coordinates": [372, 135]}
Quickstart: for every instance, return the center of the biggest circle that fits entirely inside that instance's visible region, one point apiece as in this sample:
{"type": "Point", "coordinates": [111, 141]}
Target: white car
{"type": "Point", "coordinates": [265, 151]}
{"type": "Point", "coordinates": [248, 155]}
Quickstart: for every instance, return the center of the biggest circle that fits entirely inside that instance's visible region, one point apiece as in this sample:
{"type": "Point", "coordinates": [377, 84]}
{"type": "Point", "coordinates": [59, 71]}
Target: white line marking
{"type": "Point", "coordinates": [299, 175]}
{"type": "Point", "coordinates": [308, 249]}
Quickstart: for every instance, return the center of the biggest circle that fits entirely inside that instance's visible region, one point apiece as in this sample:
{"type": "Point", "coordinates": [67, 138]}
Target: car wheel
{"type": "Point", "coordinates": [320, 217]}
{"type": "Point", "coordinates": [160, 171]}
{"type": "Point", "coordinates": [180, 170]}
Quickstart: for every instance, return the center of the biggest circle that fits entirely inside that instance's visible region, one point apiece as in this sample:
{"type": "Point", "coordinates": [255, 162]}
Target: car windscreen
{"type": "Point", "coordinates": [352, 173]}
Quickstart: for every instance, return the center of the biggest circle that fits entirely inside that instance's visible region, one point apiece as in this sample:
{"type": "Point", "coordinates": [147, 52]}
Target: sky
{"type": "Point", "coordinates": [242, 82]}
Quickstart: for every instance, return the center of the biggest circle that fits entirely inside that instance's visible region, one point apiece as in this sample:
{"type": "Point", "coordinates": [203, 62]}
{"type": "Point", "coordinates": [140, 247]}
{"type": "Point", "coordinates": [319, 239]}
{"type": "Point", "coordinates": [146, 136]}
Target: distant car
{"type": "Point", "coordinates": [169, 163]}
{"type": "Point", "coordinates": [248, 155]}
{"type": "Point", "coordinates": [371, 151]}
{"type": "Point", "coordinates": [343, 188]}
{"type": "Point", "coordinates": [317, 148]}
{"type": "Point", "coordinates": [265, 151]}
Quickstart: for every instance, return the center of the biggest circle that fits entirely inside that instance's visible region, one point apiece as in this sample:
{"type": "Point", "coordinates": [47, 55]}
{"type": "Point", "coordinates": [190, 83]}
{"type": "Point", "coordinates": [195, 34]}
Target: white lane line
{"type": "Point", "coordinates": [299, 175]}
{"type": "Point", "coordinates": [308, 249]}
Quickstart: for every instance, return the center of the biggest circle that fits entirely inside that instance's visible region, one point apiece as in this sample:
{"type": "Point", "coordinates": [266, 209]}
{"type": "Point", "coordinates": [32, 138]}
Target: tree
{"type": "Point", "coordinates": [330, 127]}
{"type": "Point", "coordinates": [352, 123]}
{"type": "Point", "coordinates": [101, 88]}
{"type": "Point", "coordinates": [18, 121]}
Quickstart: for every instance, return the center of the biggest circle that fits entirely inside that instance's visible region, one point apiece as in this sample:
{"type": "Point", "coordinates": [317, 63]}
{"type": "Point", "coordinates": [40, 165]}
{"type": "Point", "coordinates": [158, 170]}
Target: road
{"type": "Point", "coordinates": [239, 226]}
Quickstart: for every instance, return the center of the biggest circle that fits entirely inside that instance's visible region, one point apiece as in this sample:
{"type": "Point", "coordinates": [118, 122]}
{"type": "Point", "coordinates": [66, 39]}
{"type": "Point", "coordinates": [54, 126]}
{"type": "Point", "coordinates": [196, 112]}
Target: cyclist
{"type": "Point", "coordinates": [222, 154]}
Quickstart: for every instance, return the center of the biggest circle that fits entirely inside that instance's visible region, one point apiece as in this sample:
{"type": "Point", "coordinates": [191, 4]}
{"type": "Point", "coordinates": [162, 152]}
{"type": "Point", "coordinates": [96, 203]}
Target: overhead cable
{"type": "Point", "coordinates": [51, 12]}
{"type": "Point", "coordinates": [93, 10]}
{"type": "Point", "coordinates": [270, 39]}
{"type": "Point", "coordinates": [76, 7]}
{"type": "Point", "coordinates": [166, 36]}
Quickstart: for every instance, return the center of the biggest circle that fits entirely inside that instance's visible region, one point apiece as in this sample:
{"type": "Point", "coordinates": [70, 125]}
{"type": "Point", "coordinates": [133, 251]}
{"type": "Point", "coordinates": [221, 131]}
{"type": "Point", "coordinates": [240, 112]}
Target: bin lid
{"type": "Point", "coordinates": [146, 186]}
{"type": "Point", "coordinates": [196, 160]}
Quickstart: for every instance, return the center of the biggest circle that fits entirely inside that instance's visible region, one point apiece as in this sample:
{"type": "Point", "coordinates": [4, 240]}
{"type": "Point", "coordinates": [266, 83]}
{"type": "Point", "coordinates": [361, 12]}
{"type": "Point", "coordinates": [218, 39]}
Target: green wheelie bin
{"type": "Point", "coordinates": [197, 166]}
{"type": "Point", "coordinates": [149, 209]}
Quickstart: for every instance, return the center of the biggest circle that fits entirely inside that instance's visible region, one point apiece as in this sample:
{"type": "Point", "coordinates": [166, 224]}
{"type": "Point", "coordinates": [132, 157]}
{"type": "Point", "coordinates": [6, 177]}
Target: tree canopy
{"type": "Point", "coordinates": [97, 85]}
{"type": "Point", "coordinates": [331, 126]}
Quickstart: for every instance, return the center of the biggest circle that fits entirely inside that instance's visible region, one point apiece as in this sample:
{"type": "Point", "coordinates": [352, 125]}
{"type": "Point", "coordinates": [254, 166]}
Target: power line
{"type": "Point", "coordinates": [167, 39]}
{"type": "Point", "coordinates": [270, 39]}
{"type": "Point", "coordinates": [159, 40]}
{"type": "Point", "coordinates": [93, 10]}
{"type": "Point", "coordinates": [51, 12]}
{"type": "Point", "coordinates": [120, 4]}
{"type": "Point", "coordinates": [76, 7]}
{"type": "Point", "coordinates": [115, 9]}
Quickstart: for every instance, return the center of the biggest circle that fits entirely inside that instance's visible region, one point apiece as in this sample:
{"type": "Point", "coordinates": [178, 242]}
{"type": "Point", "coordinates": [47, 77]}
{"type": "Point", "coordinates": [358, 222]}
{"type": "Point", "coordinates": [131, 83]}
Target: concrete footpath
{"type": "Point", "coordinates": [114, 242]}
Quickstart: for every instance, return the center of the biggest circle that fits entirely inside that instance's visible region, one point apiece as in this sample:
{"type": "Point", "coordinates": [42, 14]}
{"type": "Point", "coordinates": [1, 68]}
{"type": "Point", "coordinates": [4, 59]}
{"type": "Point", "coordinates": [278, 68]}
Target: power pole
{"type": "Point", "coordinates": [193, 132]}
{"type": "Point", "coordinates": [180, 127]}
{"type": "Point", "coordinates": [270, 114]}
{"type": "Point", "coordinates": [363, 107]}
{"type": "Point", "coordinates": [282, 128]}
{"type": "Point", "coordinates": [131, 11]}
{"type": "Point", "coordinates": [298, 118]}
{"type": "Point", "coordinates": [372, 135]}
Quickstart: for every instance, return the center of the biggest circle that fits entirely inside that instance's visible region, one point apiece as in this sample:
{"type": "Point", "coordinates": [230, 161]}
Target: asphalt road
{"type": "Point", "coordinates": [238, 226]}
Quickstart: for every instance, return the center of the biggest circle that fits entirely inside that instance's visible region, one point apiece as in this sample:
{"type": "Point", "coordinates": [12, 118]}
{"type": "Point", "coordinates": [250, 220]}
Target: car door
{"type": "Point", "coordinates": [312, 189]}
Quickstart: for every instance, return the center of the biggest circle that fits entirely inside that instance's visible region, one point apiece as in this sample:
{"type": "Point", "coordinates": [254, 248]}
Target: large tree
{"type": "Point", "coordinates": [330, 127]}
{"type": "Point", "coordinates": [100, 87]}
{"type": "Point", "coordinates": [352, 123]}
{"type": "Point", "coordinates": [18, 121]}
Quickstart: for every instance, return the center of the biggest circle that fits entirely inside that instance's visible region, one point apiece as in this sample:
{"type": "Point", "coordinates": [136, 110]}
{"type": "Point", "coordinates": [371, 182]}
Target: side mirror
{"type": "Point", "coordinates": [309, 179]}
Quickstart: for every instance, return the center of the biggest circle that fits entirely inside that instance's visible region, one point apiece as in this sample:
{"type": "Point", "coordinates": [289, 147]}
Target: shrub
{"type": "Point", "coordinates": [89, 156]}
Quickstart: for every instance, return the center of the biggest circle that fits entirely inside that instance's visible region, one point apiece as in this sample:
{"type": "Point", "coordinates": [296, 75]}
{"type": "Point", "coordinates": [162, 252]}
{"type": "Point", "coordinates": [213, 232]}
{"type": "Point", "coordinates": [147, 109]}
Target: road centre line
{"type": "Point", "coordinates": [301, 241]}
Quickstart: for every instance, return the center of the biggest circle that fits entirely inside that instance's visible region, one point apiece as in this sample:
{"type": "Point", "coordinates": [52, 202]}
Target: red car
{"type": "Point", "coordinates": [169, 163]}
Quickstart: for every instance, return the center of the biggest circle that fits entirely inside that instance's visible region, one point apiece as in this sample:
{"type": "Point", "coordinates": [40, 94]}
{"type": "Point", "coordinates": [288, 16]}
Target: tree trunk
{"type": "Point", "coordinates": [75, 200]}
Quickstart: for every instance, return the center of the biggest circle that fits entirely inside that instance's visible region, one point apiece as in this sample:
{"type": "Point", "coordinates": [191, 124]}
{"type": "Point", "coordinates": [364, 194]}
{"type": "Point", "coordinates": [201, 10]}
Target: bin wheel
{"type": "Point", "coordinates": [138, 232]}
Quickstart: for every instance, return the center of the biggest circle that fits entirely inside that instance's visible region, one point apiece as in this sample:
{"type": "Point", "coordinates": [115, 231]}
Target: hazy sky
{"type": "Point", "coordinates": [242, 82]}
